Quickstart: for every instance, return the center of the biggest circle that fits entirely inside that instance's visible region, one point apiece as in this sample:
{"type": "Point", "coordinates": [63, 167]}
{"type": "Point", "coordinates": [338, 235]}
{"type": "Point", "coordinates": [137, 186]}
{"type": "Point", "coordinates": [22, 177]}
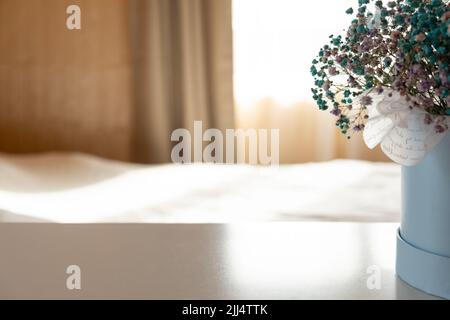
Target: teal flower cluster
{"type": "Point", "coordinates": [403, 45]}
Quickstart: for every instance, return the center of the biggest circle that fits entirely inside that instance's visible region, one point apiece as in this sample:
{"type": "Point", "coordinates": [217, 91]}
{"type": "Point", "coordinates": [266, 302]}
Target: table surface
{"type": "Point", "coordinates": [294, 260]}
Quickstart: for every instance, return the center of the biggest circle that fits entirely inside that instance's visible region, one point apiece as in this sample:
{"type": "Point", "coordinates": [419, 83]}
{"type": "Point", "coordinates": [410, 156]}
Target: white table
{"type": "Point", "coordinates": [154, 261]}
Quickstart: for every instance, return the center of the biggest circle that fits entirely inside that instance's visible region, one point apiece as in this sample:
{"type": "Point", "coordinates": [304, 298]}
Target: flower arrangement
{"type": "Point", "coordinates": [392, 48]}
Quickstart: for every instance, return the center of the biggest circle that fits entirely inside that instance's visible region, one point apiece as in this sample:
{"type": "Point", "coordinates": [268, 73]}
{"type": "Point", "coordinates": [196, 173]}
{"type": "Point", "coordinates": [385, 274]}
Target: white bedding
{"type": "Point", "coordinates": [76, 188]}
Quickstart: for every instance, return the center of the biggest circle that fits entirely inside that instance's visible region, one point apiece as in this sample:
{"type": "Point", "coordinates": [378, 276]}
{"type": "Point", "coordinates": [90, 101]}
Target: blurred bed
{"type": "Point", "coordinates": [77, 188]}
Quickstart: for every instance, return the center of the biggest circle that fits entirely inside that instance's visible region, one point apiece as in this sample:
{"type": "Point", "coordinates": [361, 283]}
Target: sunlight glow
{"type": "Point", "coordinates": [275, 42]}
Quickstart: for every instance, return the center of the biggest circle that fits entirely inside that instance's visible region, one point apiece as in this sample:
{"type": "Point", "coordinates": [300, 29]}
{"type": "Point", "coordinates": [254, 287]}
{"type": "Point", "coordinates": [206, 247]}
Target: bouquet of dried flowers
{"type": "Point", "coordinates": [397, 47]}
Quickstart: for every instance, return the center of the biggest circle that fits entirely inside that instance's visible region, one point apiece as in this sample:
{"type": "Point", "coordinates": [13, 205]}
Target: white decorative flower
{"type": "Point", "coordinates": [401, 129]}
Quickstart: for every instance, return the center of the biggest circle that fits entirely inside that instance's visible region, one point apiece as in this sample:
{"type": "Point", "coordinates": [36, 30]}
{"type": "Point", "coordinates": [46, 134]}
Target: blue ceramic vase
{"type": "Point", "coordinates": [423, 246]}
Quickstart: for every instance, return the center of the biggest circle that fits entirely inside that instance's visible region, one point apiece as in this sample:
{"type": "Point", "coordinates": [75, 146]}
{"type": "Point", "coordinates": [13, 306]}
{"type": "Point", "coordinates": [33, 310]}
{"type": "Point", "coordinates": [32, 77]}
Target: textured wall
{"type": "Point", "coordinates": [61, 89]}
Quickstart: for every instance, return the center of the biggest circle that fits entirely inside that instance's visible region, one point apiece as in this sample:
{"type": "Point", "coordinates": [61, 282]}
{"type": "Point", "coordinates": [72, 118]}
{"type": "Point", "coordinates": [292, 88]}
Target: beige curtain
{"type": "Point", "coordinates": [306, 134]}
{"type": "Point", "coordinates": [183, 70]}
{"type": "Point", "coordinates": [65, 90]}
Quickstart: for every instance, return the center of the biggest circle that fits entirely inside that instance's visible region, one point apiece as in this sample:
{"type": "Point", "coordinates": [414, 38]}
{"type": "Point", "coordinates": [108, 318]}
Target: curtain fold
{"type": "Point", "coordinates": [306, 133]}
{"type": "Point", "coordinates": [183, 70]}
